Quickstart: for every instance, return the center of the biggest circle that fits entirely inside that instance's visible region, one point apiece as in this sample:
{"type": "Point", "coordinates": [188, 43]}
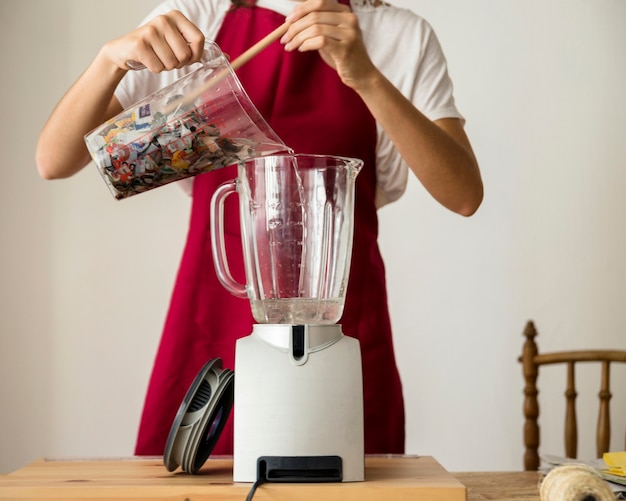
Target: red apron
{"type": "Point", "coordinates": [304, 101]}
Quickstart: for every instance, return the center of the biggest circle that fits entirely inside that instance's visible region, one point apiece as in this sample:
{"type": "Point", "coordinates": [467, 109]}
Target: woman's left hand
{"type": "Point", "coordinates": [332, 29]}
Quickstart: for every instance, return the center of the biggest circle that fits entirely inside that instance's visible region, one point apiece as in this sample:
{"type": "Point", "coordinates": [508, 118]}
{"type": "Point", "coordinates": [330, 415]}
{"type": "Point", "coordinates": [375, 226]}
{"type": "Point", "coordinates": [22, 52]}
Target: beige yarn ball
{"type": "Point", "coordinates": [574, 482]}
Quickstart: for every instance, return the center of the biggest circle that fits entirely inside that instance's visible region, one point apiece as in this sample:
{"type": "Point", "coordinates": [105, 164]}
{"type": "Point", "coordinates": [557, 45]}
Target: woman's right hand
{"type": "Point", "coordinates": [167, 42]}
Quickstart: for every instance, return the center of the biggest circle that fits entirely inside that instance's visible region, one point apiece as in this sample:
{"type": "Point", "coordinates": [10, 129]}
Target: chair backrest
{"type": "Point", "coordinates": [531, 360]}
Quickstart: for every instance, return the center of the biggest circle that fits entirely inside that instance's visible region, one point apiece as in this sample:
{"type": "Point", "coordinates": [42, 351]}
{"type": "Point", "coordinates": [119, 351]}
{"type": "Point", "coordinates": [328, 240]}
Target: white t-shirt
{"type": "Point", "coordinates": [400, 43]}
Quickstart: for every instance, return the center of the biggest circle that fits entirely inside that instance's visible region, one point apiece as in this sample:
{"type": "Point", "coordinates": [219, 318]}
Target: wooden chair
{"type": "Point", "coordinates": [531, 360]}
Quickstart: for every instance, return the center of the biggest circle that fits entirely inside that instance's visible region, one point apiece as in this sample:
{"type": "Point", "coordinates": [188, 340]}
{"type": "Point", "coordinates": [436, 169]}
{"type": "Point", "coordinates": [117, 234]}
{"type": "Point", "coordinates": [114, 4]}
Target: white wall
{"type": "Point", "coordinates": [85, 281]}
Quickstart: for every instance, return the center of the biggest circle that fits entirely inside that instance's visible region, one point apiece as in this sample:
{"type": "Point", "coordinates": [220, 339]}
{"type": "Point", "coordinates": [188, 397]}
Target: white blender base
{"type": "Point", "coordinates": [298, 401]}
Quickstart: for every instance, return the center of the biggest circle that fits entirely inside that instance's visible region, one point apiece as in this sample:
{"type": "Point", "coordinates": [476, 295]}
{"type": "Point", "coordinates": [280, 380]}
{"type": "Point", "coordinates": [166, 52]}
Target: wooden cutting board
{"type": "Point", "coordinates": [393, 478]}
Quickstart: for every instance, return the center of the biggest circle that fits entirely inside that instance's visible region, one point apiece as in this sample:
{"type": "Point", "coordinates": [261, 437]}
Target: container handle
{"type": "Point", "coordinates": [218, 246]}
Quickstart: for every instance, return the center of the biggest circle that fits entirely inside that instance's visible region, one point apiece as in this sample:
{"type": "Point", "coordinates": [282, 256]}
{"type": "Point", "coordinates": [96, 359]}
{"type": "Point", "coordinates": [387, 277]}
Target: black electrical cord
{"type": "Point", "coordinates": [258, 482]}
{"type": "Point", "coordinates": [261, 477]}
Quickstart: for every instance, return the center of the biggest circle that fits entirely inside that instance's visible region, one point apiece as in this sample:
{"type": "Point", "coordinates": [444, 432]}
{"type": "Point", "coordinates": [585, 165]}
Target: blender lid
{"type": "Point", "coordinates": [200, 418]}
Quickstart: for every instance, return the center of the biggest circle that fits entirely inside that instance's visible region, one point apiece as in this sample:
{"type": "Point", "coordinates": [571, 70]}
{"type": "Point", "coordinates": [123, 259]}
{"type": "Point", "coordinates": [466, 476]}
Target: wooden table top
{"type": "Point", "coordinates": [387, 477]}
{"type": "Point", "coordinates": [501, 485]}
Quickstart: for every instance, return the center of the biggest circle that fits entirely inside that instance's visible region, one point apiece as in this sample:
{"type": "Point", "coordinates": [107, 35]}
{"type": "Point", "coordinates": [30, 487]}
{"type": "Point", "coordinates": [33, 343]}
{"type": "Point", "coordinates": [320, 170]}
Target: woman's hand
{"type": "Point", "coordinates": [332, 29]}
{"type": "Point", "coordinates": [167, 42]}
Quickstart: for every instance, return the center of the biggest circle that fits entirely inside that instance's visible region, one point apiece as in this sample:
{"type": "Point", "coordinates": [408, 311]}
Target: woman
{"type": "Point", "coordinates": [356, 78]}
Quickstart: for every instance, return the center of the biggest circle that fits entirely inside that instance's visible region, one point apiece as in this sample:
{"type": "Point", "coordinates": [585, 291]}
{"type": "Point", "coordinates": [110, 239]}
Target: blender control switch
{"type": "Point", "coordinates": [298, 342]}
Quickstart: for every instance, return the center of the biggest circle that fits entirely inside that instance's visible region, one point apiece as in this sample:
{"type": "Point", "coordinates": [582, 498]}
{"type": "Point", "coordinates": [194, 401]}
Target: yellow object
{"type": "Point", "coordinates": [616, 461]}
{"type": "Point", "coordinates": [178, 160]}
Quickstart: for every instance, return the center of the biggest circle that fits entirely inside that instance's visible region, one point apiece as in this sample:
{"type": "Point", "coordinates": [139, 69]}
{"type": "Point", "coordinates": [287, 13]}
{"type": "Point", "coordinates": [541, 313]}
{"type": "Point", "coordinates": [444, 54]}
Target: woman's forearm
{"type": "Point", "coordinates": [166, 42]}
{"type": "Point", "coordinates": [439, 153]}
{"type": "Point", "coordinates": [61, 150]}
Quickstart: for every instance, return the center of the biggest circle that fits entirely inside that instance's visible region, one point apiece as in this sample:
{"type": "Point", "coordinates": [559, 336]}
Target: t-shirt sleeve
{"type": "Point", "coordinates": [432, 91]}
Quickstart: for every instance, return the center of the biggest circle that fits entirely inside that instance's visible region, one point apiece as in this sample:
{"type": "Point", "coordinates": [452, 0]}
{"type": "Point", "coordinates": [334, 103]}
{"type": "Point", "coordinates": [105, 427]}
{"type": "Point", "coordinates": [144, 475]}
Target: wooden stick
{"type": "Point", "coordinates": [259, 46]}
{"type": "Point", "coordinates": [235, 65]}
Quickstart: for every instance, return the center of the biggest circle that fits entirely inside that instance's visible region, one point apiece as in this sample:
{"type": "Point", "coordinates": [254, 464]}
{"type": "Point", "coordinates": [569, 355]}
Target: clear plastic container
{"type": "Point", "coordinates": [201, 122]}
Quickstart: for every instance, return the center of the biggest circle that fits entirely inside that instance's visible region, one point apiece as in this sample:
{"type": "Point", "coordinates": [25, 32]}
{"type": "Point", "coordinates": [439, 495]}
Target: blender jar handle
{"type": "Point", "coordinates": [218, 246]}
